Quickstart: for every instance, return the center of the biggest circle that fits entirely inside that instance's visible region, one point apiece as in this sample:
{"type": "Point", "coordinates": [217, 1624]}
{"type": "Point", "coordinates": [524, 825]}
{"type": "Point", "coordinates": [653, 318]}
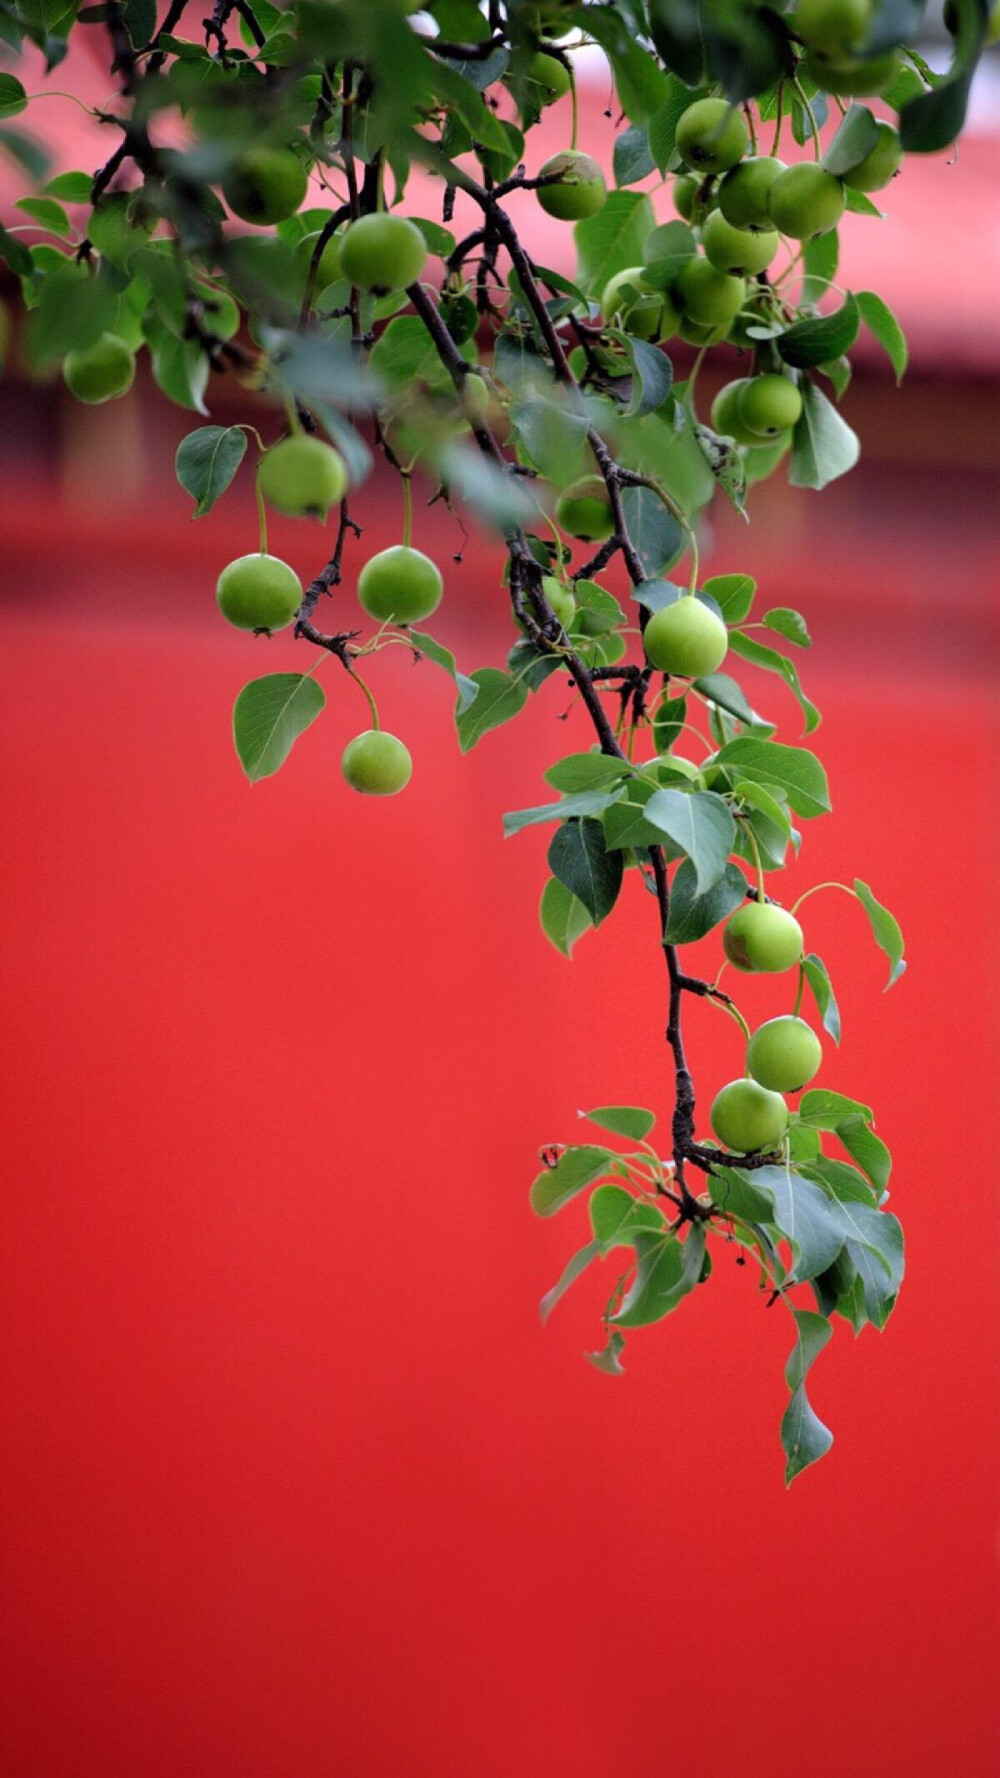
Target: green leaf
{"type": "Point", "coordinates": [578, 858]}
{"type": "Point", "coordinates": [563, 917]}
{"type": "Point", "coordinates": [668, 723]}
{"type": "Point", "coordinates": [788, 623]}
{"type": "Point", "coordinates": [180, 369]}
{"type": "Point", "coordinates": [553, 437]}
{"type": "Point", "coordinates": [632, 158]}
{"type": "Point", "coordinates": [824, 1109]}
{"type": "Point", "coordinates": [823, 445]}
{"type": "Point", "coordinates": [750, 649]}
{"type": "Point", "coordinates": [806, 1218]}
{"type": "Point", "coordinates": [434, 651]}
{"type": "Point", "coordinates": [868, 1150]}
{"type": "Point", "coordinates": [48, 214]}
{"type": "Point", "coordinates": [623, 1120]}
{"type": "Point", "coordinates": [817, 976]}
{"type": "Point", "coordinates": [269, 716]}
{"type": "Point", "coordinates": [609, 1361]}
{"type": "Point", "coordinates": [665, 251]}
{"type": "Point", "coordinates": [693, 915]}
{"type": "Point", "coordinates": [700, 823]}
{"type": "Point", "coordinates": [71, 188]}
{"type": "Point", "coordinates": [616, 1216]}
{"type": "Point", "coordinates": [797, 771]}
{"type": "Point", "coordinates": [809, 343]}
{"type": "Point", "coordinates": [667, 1272]}
{"type": "Point", "coordinates": [880, 320]}
{"type": "Point", "coordinates": [613, 239]}
{"type": "Point", "coordinates": [820, 259]}
{"type": "Point", "coordinates": [206, 462]}
{"type": "Point", "coordinates": [16, 254]}
{"type": "Point", "coordinates": [933, 120]}
{"type": "Point", "coordinates": [499, 697]}
{"type": "Point", "coordinates": [728, 695]}
{"type": "Point", "coordinates": [733, 594]}
{"type": "Point", "coordinates": [840, 1180]}
{"type": "Point", "coordinates": [876, 1248]}
{"type": "Point", "coordinates": [140, 21]}
{"type": "Point", "coordinates": [804, 1438]}
{"type": "Point", "coordinates": [74, 309]}
{"type": "Point", "coordinates": [658, 538]}
{"type": "Point", "coordinates": [13, 97]}
{"type": "Point", "coordinates": [885, 930]}
{"type": "Point", "coordinates": [854, 141]}
{"type": "Point", "coordinates": [576, 1167]}
{"type": "Point", "coordinates": [577, 1265]}
{"type": "Point", "coordinates": [662, 127]}
{"type": "Point", "coordinates": [735, 1192]}
{"type": "Point", "coordinates": [653, 375]}
{"type": "Point", "coordinates": [585, 802]}
{"type": "Point", "coordinates": [585, 771]}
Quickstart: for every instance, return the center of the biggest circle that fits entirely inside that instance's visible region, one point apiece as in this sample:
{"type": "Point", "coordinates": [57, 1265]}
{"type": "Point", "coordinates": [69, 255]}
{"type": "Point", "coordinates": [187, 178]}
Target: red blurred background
{"type": "Point", "coordinates": [294, 1482]}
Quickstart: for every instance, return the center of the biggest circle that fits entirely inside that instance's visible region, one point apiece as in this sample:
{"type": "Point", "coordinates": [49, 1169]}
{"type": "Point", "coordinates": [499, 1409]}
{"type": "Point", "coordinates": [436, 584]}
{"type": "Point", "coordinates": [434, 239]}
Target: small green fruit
{"type": "Point", "coordinates": [747, 1118]}
{"type": "Point", "coordinates": [761, 938]}
{"type": "Point", "coordinates": [686, 638]}
{"type": "Point", "coordinates": [266, 185]}
{"type": "Point", "coordinates": [328, 271]}
{"type": "Point", "coordinates": [769, 405]}
{"type": "Point", "coordinates": [743, 192]}
{"type": "Point", "coordinates": [580, 189]}
{"type": "Point", "coordinates": [784, 1054]}
{"type": "Point", "coordinates": [835, 27]}
{"type": "Point", "coordinates": [303, 476]}
{"type": "Point", "coordinates": [400, 585]}
{"type": "Point", "coordinates": [100, 372]}
{"type": "Point", "coordinates": [382, 253]}
{"type": "Point", "coordinates": [880, 165]}
{"type": "Point", "coordinates": [854, 79]}
{"type": "Point", "coordinates": [806, 200]}
{"type": "Point", "coordinates": [585, 512]}
{"type": "Point", "coordinates": [259, 592]}
{"type": "Point", "coordinates": [711, 136]}
{"type": "Point", "coordinates": [560, 598]}
{"type": "Point", "coordinates": [549, 77]}
{"type": "Point", "coordinates": [638, 309]}
{"type": "Point", "coordinates": [742, 252]}
{"type": "Point", "coordinates": [707, 296]}
{"type": "Point", "coordinates": [685, 194]}
{"type": "Point", "coordinates": [376, 763]}
{"type": "Point", "coordinates": [726, 414]}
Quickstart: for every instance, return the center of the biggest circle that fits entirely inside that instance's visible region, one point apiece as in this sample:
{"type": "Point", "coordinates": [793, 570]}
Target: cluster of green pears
{"type": "Point", "coordinates": [783, 1055]}
{"type": "Point", "coordinates": [304, 477]}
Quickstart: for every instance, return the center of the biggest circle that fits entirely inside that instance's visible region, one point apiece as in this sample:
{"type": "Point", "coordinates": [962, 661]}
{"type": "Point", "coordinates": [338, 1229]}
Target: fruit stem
{"type": "Point", "coordinates": [576, 109]}
{"type": "Point", "coordinates": [407, 507]}
{"type": "Point", "coordinates": [810, 113]}
{"type": "Point", "coordinates": [373, 707]}
{"type": "Point", "coordinates": [779, 120]}
{"type": "Point", "coordinates": [292, 416]}
{"type": "Point", "coordinates": [799, 992]}
{"type": "Point", "coordinates": [261, 517]}
{"type": "Point", "coordinates": [755, 849]}
{"type": "Point", "coordinates": [751, 126]}
{"type": "Point", "coordinates": [733, 1010]}
{"type": "Point", "coordinates": [815, 890]}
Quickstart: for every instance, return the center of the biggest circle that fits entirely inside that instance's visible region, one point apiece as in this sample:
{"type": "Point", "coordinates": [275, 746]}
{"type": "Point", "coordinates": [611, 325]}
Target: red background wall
{"type": "Point", "coordinates": [294, 1480]}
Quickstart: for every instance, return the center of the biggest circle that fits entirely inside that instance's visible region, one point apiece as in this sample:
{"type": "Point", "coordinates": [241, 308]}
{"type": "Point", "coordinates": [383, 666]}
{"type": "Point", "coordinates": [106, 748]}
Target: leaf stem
{"type": "Point", "coordinates": [816, 889]}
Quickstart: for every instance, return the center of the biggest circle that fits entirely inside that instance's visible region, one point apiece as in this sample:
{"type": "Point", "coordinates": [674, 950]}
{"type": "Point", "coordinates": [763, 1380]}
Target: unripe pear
{"type": "Point", "coordinates": [100, 372]}
{"type": "Point", "coordinates": [376, 763]}
{"type": "Point", "coordinates": [761, 938]}
{"type": "Point", "coordinates": [769, 405]}
{"type": "Point", "coordinates": [741, 252]}
{"type": "Point", "coordinates": [880, 164]}
{"type": "Point", "coordinates": [578, 190]}
{"type": "Point", "coordinates": [382, 253]}
{"type": "Point", "coordinates": [707, 296]}
{"type": "Point", "coordinates": [784, 1054]}
{"type": "Point", "coordinates": [743, 192]}
{"type": "Point", "coordinates": [585, 512]}
{"type": "Point", "coordinates": [686, 638]}
{"type": "Point", "coordinates": [303, 476]}
{"type": "Point", "coordinates": [259, 592]}
{"type": "Point", "coordinates": [266, 185]}
{"type": "Point", "coordinates": [747, 1118]}
{"type": "Point", "coordinates": [806, 200]}
{"type": "Point", "coordinates": [711, 136]}
{"type": "Point", "coordinates": [400, 585]}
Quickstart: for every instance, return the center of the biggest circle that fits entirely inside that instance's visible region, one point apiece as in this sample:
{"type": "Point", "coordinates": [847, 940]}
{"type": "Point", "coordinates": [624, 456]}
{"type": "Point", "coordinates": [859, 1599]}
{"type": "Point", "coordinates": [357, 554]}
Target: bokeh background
{"type": "Point", "coordinates": [294, 1482]}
